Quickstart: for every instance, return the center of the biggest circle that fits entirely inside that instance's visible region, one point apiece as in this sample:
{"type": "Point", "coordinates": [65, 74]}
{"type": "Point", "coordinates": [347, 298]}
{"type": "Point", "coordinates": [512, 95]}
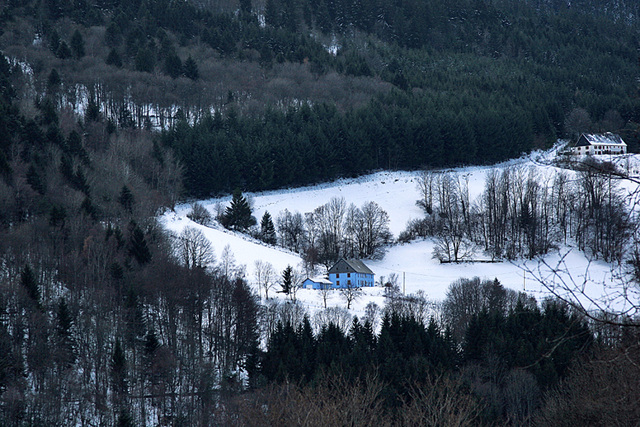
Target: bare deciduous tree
{"type": "Point", "coordinates": [374, 231]}
{"type": "Point", "coordinates": [467, 297]}
{"type": "Point", "coordinates": [603, 391]}
{"type": "Point", "coordinates": [372, 314]}
{"type": "Point", "coordinates": [265, 276]}
{"type": "Point", "coordinates": [291, 232]}
{"type": "Point", "coordinates": [426, 187]}
{"type": "Point", "coordinates": [325, 291]}
{"type": "Point", "coordinates": [578, 121]}
{"type": "Point", "coordinates": [199, 214]}
{"type": "Point", "coordinates": [296, 284]}
{"type": "Point", "coordinates": [453, 242]}
{"type": "Point", "coordinates": [277, 311]}
{"type": "Point", "coordinates": [193, 249]}
{"type": "Point", "coordinates": [350, 292]}
{"type": "Point", "coordinates": [607, 224]}
{"type": "Point", "coordinates": [332, 401]}
{"type": "Point", "coordinates": [227, 263]}
{"type": "Point", "coordinates": [441, 401]}
{"type": "Point", "coordinates": [338, 316]}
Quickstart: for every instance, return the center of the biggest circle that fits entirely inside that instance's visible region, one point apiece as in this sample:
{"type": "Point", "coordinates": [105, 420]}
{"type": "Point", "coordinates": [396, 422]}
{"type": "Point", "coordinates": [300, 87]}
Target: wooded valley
{"type": "Point", "coordinates": [111, 112]}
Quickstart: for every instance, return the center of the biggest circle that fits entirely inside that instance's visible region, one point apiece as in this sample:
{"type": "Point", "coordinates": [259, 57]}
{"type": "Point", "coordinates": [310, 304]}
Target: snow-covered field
{"type": "Point", "coordinates": [396, 193]}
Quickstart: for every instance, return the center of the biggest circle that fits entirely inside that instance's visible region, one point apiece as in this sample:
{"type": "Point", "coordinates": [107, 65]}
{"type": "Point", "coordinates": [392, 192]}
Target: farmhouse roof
{"type": "Point", "coordinates": [354, 265]}
{"type": "Point", "coordinates": [321, 279]}
{"type": "Point", "coordinates": [606, 138]}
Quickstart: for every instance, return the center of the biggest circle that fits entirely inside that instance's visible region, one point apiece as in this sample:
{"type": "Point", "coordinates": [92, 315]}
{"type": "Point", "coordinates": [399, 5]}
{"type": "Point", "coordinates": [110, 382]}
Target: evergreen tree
{"type": "Point", "coordinates": [145, 60]}
{"type": "Point", "coordinates": [332, 348]}
{"type": "Point", "coordinates": [307, 349]}
{"type": "Point", "coordinates": [125, 419]}
{"type": "Point", "coordinates": [138, 248]}
{"type": "Point", "coordinates": [245, 7]}
{"type": "Point", "coordinates": [238, 216]}
{"type": "Point", "coordinates": [252, 365]}
{"type": "Point", "coordinates": [363, 345]}
{"type": "Point", "coordinates": [80, 182]}
{"type": "Point", "coordinates": [113, 35]}
{"type": "Point", "coordinates": [77, 45]}
{"type": "Point", "coordinates": [87, 207]}
{"type": "Point", "coordinates": [29, 282]}
{"type": "Point", "coordinates": [126, 199]}
{"type": "Point", "coordinates": [151, 346]}
{"type": "Point", "coordinates": [267, 229]}
{"type": "Point", "coordinates": [133, 316]}
{"type": "Point", "coordinates": [272, 13]}
{"type": "Point", "coordinates": [66, 356]}
{"type": "Point", "coordinates": [57, 216]}
{"type": "Point", "coordinates": [49, 114]}
{"type": "Point", "coordinates": [281, 360]}
{"type": "Point", "coordinates": [35, 180]}
{"type": "Point", "coordinates": [54, 80]}
{"type": "Point", "coordinates": [11, 365]}
{"type": "Point", "coordinates": [113, 59]}
{"type": "Point", "coordinates": [287, 280]}
{"type": "Point", "coordinates": [173, 66]}
{"type": "Point", "coordinates": [63, 52]}
{"type": "Point", "coordinates": [92, 113]}
{"type": "Point", "coordinates": [119, 369]}
{"type": "Point", "coordinates": [191, 69]}
{"type": "Point", "coordinates": [54, 41]}
{"type": "Point", "coordinates": [66, 168]}
{"type": "Point", "coordinates": [74, 144]}
{"type": "Point", "coordinates": [151, 343]}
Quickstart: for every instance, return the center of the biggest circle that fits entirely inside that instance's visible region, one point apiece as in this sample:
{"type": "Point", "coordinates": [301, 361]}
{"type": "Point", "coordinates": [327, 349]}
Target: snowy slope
{"type": "Point", "coordinates": [396, 192]}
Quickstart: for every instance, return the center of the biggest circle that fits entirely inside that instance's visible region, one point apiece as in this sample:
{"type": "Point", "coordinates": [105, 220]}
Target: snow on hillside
{"type": "Point", "coordinates": [396, 192]}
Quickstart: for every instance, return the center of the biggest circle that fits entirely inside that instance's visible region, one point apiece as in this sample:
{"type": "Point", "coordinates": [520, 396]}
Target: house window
{"type": "Point", "coordinates": [349, 282]}
{"type": "Point", "coordinates": [348, 274]}
{"type": "Point", "coordinates": [337, 282]}
{"type": "Point", "coordinates": [337, 275]}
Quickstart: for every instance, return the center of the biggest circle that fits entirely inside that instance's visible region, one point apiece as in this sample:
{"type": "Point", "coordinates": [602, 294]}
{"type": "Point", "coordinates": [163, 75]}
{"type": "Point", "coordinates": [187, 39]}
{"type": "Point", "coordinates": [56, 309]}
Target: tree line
{"type": "Point", "coordinates": [316, 143]}
{"type": "Point", "coordinates": [508, 352]}
{"type": "Point", "coordinates": [522, 213]}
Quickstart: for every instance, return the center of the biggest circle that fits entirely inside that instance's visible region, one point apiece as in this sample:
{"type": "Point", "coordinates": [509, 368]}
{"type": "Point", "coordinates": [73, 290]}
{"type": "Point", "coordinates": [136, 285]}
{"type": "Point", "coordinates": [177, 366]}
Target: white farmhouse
{"type": "Point", "coordinates": [599, 143]}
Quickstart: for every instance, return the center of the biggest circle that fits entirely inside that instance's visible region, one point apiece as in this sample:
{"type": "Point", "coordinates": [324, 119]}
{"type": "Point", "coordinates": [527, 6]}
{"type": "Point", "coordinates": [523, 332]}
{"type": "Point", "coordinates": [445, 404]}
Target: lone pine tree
{"type": "Point", "coordinates": [287, 280]}
{"type": "Point", "coordinates": [267, 229]}
{"type": "Point", "coordinates": [237, 216]}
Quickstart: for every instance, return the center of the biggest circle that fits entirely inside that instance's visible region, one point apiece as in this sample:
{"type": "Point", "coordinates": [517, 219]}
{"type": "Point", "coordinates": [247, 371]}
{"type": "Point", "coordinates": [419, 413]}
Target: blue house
{"type": "Point", "coordinates": [350, 273]}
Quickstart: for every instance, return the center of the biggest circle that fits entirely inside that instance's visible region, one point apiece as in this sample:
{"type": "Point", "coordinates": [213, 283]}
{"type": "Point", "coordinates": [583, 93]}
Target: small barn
{"type": "Point", "coordinates": [321, 282]}
{"type": "Point", "coordinates": [351, 273]}
{"type": "Point", "coordinates": [599, 143]}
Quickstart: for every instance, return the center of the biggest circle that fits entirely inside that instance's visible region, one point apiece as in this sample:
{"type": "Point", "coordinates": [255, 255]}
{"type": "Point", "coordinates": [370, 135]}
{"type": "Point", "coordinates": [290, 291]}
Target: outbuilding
{"type": "Point", "coordinates": [321, 282]}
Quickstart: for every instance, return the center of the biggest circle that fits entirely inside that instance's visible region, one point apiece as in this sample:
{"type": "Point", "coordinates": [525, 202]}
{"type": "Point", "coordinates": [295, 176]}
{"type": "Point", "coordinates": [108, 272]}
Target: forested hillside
{"type": "Point", "coordinates": [111, 111]}
{"type": "Point", "coordinates": [290, 92]}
